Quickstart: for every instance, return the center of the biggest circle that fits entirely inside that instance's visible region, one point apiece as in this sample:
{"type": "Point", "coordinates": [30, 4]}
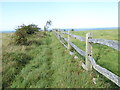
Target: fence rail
{"type": "Point", "coordinates": [110, 43]}
{"type": "Point", "coordinates": [111, 76]}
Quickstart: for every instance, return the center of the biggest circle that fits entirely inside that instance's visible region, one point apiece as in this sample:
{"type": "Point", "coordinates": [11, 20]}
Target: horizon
{"type": "Point", "coordinates": [76, 29]}
{"type": "Point", "coordinates": [62, 14]}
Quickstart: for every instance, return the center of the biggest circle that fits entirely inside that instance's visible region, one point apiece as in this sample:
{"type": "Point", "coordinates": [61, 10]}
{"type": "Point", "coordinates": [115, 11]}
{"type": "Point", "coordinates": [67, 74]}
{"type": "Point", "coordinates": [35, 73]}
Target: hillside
{"type": "Point", "coordinates": [45, 63]}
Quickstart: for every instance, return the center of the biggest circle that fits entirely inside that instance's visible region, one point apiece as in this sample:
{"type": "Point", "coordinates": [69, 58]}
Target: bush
{"type": "Point", "coordinates": [72, 30]}
{"type": "Point", "coordinates": [20, 37]}
{"type": "Point", "coordinates": [32, 28]}
{"type": "Point", "coordinates": [23, 31]}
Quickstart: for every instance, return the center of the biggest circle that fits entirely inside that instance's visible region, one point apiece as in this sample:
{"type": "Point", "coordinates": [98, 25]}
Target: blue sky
{"type": "Point", "coordinates": [62, 14]}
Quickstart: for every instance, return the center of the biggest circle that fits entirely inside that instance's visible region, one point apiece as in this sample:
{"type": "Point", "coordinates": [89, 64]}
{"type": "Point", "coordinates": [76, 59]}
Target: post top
{"type": "Point", "coordinates": [89, 34]}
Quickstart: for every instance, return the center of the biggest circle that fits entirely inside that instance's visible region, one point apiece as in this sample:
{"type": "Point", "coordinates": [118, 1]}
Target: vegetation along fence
{"type": "Point", "coordinates": [89, 60]}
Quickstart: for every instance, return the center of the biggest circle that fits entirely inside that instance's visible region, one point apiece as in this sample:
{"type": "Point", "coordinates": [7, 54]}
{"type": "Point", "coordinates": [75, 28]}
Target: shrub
{"type": "Point", "coordinates": [20, 37]}
{"type": "Point", "coordinates": [72, 30]}
{"type": "Point", "coordinates": [23, 31]}
{"type": "Point", "coordinates": [32, 28]}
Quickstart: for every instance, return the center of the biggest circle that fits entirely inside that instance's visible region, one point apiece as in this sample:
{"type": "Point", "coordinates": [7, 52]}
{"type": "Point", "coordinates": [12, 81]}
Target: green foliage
{"type": "Point", "coordinates": [72, 30]}
{"type": "Point", "coordinates": [29, 29]}
{"type": "Point", "coordinates": [32, 28]}
{"type": "Point", "coordinates": [23, 31]}
{"type": "Point", "coordinates": [20, 37]}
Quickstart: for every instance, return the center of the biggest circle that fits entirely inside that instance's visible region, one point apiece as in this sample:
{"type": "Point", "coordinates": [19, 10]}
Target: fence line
{"type": "Point", "coordinates": [110, 43]}
{"type": "Point", "coordinates": [71, 53]}
{"type": "Point", "coordinates": [57, 35]}
{"type": "Point", "coordinates": [111, 76]}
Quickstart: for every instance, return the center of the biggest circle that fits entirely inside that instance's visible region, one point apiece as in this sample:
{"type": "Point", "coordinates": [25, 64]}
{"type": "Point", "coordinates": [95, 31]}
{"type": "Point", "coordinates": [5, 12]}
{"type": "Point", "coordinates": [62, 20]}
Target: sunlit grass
{"type": "Point", "coordinates": [103, 34]}
{"type": "Point", "coordinates": [50, 66]}
{"type": "Point", "coordinates": [105, 56]}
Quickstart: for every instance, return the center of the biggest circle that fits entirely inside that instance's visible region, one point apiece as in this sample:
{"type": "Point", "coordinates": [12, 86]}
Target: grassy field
{"type": "Point", "coordinates": [105, 56]}
{"type": "Point", "coordinates": [45, 63]}
{"type": "Point", "coordinates": [103, 34]}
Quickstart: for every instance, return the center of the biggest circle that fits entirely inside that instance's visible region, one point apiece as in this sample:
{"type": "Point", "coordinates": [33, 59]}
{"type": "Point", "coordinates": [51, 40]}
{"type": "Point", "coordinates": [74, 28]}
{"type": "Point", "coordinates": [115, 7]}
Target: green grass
{"type": "Point", "coordinates": [103, 34]}
{"type": "Point", "coordinates": [45, 63]}
{"type": "Point", "coordinates": [105, 56]}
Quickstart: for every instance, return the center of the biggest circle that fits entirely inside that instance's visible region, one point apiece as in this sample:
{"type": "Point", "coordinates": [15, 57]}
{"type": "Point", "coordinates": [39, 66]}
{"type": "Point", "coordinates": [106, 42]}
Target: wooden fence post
{"type": "Point", "coordinates": [88, 51]}
{"type": "Point", "coordinates": [58, 32]}
{"type": "Point", "coordinates": [68, 40]}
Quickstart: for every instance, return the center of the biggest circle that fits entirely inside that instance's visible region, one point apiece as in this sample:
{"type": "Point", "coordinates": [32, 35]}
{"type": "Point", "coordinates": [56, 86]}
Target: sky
{"type": "Point", "coordinates": [62, 14]}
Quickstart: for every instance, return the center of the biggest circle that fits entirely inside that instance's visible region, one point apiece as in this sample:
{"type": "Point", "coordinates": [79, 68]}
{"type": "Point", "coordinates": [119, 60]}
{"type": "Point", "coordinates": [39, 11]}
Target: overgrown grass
{"type": "Point", "coordinates": [15, 57]}
{"type": "Point", "coordinates": [50, 66]}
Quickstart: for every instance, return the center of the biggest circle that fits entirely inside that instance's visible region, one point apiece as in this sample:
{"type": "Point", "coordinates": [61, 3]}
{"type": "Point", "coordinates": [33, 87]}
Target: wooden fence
{"type": "Point", "coordinates": [90, 62]}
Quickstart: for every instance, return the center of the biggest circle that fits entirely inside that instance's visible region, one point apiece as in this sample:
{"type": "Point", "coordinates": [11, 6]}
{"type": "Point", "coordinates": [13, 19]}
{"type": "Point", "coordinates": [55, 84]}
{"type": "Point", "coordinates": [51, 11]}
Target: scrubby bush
{"type": "Point", "coordinates": [32, 28]}
{"type": "Point", "coordinates": [20, 37]}
{"type": "Point", "coordinates": [23, 31]}
{"type": "Point", "coordinates": [72, 30]}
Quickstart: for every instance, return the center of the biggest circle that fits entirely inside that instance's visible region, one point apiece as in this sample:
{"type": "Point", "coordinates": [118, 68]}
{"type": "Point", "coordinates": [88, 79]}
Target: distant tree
{"type": "Point", "coordinates": [48, 24]}
{"type": "Point", "coordinates": [64, 30]}
{"type": "Point", "coordinates": [72, 30]}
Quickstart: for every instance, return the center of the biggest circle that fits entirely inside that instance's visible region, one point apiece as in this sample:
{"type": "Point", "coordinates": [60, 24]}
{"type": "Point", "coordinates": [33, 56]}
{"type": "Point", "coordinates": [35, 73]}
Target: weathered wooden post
{"type": "Point", "coordinates": [59, 35]}
{"type": "Point", "coordinates": [59, 31]}
{"type": "Point", "coordinates": [68, 40]}
{"type": "Point", "coordinates": [88, 51]}
{"type": "Point", "coordinates": [62, 36]}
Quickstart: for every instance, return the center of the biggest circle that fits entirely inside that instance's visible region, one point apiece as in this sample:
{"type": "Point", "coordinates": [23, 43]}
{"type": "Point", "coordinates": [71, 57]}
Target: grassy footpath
{"type": "Point", "coordinates": [48, 66]}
